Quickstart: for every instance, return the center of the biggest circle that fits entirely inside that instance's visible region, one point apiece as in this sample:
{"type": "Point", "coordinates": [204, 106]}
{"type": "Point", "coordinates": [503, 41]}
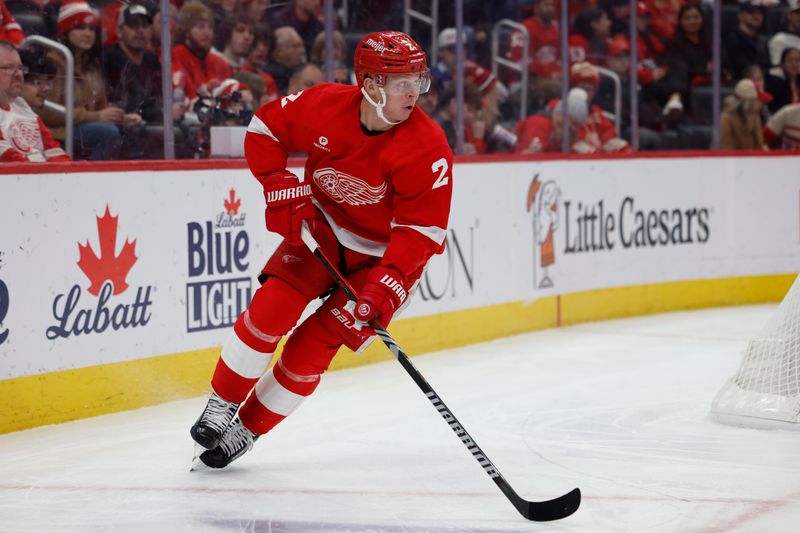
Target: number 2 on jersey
{"type": "Point", "coordinates": [443, 179]}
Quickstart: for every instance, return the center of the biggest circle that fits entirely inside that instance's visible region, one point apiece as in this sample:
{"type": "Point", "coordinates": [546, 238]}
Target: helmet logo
{"type": "Point", "coordinates": [323, 141]}
{"type": "Point", "coordinates": [375, 45]}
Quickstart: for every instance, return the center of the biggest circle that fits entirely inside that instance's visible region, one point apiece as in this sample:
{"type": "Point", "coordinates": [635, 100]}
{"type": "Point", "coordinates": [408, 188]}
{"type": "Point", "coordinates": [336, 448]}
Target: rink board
{"type": "Point", "coordinates": [531, 244]}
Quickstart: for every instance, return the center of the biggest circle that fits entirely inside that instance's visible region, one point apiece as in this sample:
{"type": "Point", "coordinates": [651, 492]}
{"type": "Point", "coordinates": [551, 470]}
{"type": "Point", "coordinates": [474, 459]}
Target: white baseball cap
{"type": "Point", "coordinates": [447, 37]}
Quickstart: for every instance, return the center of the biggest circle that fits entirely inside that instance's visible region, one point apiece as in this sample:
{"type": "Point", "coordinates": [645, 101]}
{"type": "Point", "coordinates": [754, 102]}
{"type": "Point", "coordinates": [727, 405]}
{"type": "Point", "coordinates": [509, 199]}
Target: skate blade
{"type": "Point", "coordinates": [197, 464]}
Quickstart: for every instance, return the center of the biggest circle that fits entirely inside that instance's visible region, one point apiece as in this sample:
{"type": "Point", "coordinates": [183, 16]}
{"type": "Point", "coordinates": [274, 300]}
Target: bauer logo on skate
{"type": "Point", "coordinates": [107, 275]}
{"type": "Point", "coordinates": [217, 251]}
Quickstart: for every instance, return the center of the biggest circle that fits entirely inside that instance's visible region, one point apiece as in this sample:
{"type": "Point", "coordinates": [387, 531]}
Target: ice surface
{"type": "Point", "coordinates": [618, 408]}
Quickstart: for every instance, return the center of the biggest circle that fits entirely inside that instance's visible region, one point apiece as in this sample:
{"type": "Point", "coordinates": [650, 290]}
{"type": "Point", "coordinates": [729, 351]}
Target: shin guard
{"type": "Point", "coordinates": [274, 310]}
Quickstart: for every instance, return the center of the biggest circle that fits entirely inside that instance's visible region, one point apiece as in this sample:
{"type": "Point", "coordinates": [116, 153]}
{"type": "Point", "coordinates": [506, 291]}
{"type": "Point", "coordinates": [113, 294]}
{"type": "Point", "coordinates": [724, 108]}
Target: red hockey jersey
{"type": "Point", "coordinates": [195, 75]}
{"type": "Point", "coordinates": [543, 47]}
{"type": "Point", "coordinates": [24, 137]}
{"type": "Point", "coordinates": [383, 195]}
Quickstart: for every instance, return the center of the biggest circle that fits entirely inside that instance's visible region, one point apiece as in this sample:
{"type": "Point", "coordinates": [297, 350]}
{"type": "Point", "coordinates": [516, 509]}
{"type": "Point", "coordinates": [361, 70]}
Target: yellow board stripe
{"type": "Point", "coordinates": [72, 394]}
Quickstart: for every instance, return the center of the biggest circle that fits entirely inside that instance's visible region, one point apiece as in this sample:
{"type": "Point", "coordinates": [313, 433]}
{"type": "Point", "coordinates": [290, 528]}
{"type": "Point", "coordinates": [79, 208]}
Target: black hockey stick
{"type": "Point", "coordinates": [555, 509]}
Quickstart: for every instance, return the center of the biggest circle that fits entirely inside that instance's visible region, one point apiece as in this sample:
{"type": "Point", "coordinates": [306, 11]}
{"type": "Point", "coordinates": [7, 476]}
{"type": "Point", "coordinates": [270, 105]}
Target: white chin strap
{"type": "Point", "coordinates": [379, 107]}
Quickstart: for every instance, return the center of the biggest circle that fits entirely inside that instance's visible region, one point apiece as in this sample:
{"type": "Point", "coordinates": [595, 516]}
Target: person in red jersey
{"type": "Point", "coordinates": [375, 192]}
{"type": "Point", "coordinates": [195, 69]}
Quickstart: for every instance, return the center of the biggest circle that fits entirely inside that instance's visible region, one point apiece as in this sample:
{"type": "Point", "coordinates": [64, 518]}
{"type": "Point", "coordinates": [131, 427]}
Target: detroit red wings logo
{"type": "Point", "coordinates": [344, 188]}
{"type": "Point", "coordinates": [25, 135]}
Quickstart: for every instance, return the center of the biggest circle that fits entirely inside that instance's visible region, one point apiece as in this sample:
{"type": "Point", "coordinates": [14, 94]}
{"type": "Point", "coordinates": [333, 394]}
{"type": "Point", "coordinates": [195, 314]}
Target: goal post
{"type": "Point", "coordinates": [765, 390]}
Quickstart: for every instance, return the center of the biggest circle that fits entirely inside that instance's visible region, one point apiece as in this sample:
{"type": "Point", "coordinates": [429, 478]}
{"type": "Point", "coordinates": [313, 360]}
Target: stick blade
{"type": "Point", "coordinates": [555, 509]}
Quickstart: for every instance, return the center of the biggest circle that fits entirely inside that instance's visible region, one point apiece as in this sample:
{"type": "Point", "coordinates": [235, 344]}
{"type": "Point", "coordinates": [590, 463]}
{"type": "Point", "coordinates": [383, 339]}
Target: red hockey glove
{"type": "Point", "coordinates": [383, 293]}
{"type": "Point", "coordinates": [288, 205]}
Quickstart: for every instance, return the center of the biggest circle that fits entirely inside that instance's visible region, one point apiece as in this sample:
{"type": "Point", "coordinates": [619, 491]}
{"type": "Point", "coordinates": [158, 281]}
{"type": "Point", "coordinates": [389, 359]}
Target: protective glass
{"type": "Point", "coordinates": [400, 84]}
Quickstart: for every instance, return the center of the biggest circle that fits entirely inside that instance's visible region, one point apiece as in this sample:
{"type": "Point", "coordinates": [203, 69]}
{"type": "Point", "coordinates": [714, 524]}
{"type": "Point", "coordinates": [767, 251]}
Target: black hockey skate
{"type": "Point", "coordinates": [236, 440]}
{"type": "Point", "coordinates": [217, 416]}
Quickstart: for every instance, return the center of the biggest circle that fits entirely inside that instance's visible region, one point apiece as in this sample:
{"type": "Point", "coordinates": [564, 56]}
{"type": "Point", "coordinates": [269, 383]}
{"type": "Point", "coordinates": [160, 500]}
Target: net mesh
{"type": "Point", "coordinates": [767, 383]}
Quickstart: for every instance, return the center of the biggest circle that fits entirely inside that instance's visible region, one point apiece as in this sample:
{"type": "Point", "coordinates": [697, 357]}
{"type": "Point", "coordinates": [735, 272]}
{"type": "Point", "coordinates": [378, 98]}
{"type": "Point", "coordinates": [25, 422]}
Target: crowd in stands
{"type": "Point", "coordinates": [231, 56]}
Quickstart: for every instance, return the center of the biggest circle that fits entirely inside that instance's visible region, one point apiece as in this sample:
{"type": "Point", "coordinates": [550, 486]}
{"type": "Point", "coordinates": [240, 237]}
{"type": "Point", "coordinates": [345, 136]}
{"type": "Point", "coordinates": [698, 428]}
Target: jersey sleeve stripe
{"type": "Point", "coordinates": [434, 233]}
{"type": "Point", "coordinates": [257, 126]}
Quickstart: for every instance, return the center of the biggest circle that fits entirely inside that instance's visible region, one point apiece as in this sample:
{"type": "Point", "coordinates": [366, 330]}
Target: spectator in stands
{"type": "Point", "coordinates": [39, 80]}
{"type": "Point", "coordinates": [256, 10]}
{"type": "Point", "coordinates": [544, 43]}
{"type": "Point", "coordinates": [288, 54]}
{"type": "Point", "coordinates": [109, 21]}
{"type": "Point", "coordinates": [597, 131]}
{"type": "Point", "coordinates": [782, 130]}
{"type": "Point", "coordinates": [652, 119]}
{"type": "Point", "coordinates": [740, 122]}
{"type": "Point", "coordinates": [341, 74]}
{"type": "Point", "coordinates": [477, 121]}
{"type": "Point", "coordinates": [223, 11]}
{"type": "Point", "coordinates": [650, 47]}
{"type": "Point", "coordinates": [492, 91]}
{"type": "Point", "coordinates": [256, 63]}
{"type": "Point", "coordinates": [256, 86]}
{"type": "Point", "coordinates": [96, 134]}
{"type": "Point", "coordinates": [543, 133]}
{"type": "Point", "coordinates": [23, 135]}
{"type": "Point", "coordinates": [238, 34]}
{"type": "Point", "coordinates": [785, 87]}
{"type": "Point", "coordinates": [306, 76]}
{"type": "Point", "coordinates": [155, 36]}
{"type": "Point", "coordinates": [789, 38]}
{"type": "Point", "coordinates": [589, 42]}
{"type": "Point", "coordinates": [194, 69]}
{"type": "Point", "coordinates": [10, 30]}
{"type": "Point", "coordinates": [664, 17]}
{"type": "Point", "coordinates": [133, 73]}
{"type": "Point", "coordinates": [745, 45]}
{"type": "Point", "coordinates": [688, 56]}
{"type": "Point", "coordinates": [305, 16]}
{"type": "Point", "coordinates": [133, 79]}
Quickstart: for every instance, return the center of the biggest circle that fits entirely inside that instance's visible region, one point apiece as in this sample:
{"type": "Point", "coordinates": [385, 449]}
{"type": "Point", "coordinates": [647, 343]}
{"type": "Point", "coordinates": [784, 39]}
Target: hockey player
{"type": "Point", "coordinates": [376, 193]}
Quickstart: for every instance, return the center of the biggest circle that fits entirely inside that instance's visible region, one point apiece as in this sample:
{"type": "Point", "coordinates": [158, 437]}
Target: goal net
{"type": "Point", "coordinates": [765, 391]}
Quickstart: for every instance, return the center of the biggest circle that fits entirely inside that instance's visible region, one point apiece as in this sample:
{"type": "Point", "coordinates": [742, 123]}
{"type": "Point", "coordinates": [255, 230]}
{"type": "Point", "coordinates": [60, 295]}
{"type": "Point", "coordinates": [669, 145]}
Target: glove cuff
{"type": "Point", "coordinates": [391, 280]}
{"type": "Point", "coordinates": [286, 194]}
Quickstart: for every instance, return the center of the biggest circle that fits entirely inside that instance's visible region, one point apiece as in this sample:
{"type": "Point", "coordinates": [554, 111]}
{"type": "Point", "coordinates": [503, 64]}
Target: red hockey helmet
{"type": "Point", "coordinates": [388, 52]}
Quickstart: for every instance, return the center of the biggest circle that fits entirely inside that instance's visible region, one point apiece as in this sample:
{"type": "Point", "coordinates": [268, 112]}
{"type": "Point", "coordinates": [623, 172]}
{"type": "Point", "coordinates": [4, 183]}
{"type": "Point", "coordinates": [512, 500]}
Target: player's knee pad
{"type": "Point", "coordinates": [310, 349]}
{"type": "Point", "coordinates": [272, 312]}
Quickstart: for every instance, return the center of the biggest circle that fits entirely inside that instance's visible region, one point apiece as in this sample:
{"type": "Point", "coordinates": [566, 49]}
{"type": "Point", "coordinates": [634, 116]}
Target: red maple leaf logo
{"type": "Point", "coordinates": [232, 206]}
{"type": "Point", "coordinates": [108, 266]}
